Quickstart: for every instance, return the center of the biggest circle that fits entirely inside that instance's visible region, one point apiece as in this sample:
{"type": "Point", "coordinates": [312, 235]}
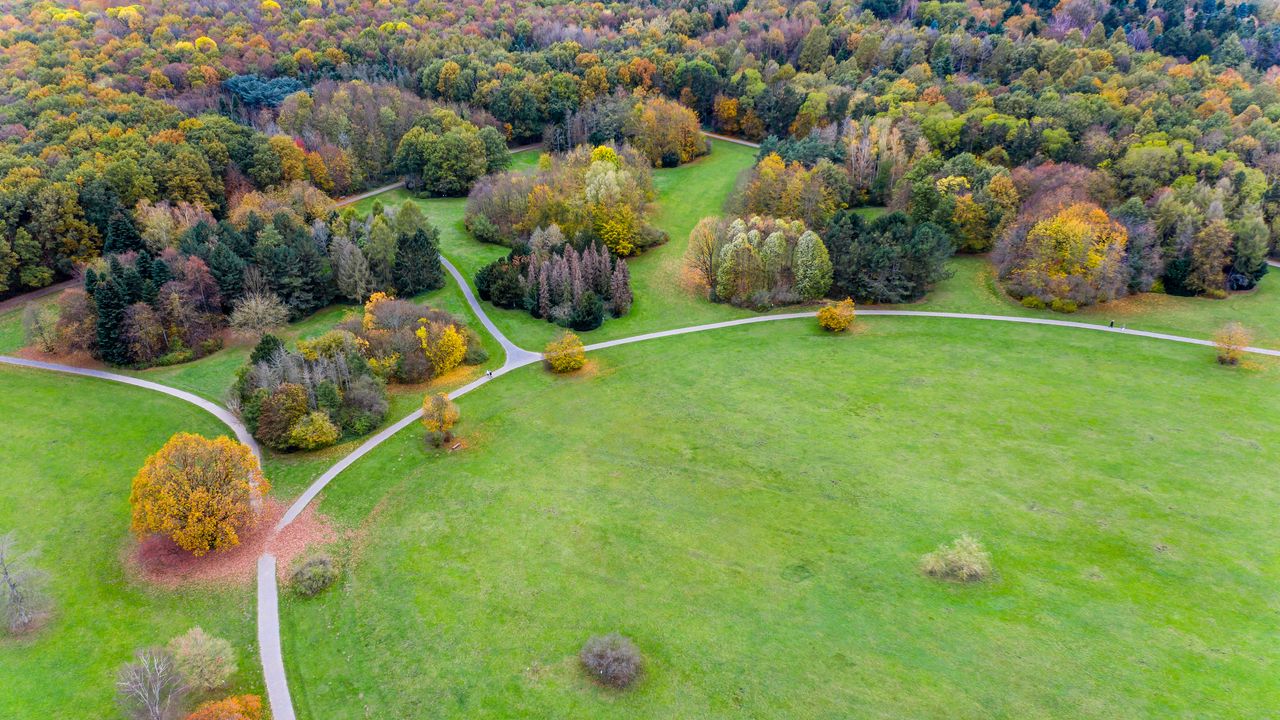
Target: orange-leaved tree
{"type": "Point", "coordinates": [199, 492]}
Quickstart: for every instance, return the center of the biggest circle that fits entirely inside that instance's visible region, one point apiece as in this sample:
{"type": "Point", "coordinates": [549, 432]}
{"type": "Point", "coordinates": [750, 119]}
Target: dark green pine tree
{"type": "Point", "coordinates": [265, 349]}
{"type": "Point", "coordinates": [122, 235]}
{"type": "Point", "coordinates": [160, 272]}
{"type": "Point", "coordinates": [228, 269]}
{"type": "Point", "coordinates": [110, 302]}
{"type": "Point", "coordinates": [418, 267]}
{"type": "Point", "coordinates": [588, 312]}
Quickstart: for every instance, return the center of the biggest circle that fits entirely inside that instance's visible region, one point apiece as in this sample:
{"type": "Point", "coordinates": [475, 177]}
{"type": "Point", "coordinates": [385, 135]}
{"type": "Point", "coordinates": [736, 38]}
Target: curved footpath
{"type": "Point", "coordinates": [269, 644]}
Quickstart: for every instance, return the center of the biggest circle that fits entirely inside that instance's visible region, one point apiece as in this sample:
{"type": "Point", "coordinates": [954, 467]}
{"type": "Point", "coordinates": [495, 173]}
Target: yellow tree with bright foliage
{"type": "Point", "coordinates": [444, 345]}
{"type": "Point", "coordinates": [200, 493]}
{"type": "Point", "coordinates": [439, 415]}
{"type": "Point", "coordinates": [1075, 256]}
{"type": "Point", "coordinates": [565, 354]}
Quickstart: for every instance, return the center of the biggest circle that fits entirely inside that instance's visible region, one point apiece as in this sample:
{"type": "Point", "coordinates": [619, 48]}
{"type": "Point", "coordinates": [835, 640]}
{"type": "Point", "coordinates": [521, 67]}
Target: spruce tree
{"type": "Point", "coordinates": [588, 312]}
{"type": "Point", "coordinates": [418, 267]}
{"type": "Point", "coordinates": [111, 303]}
{"type": "Point", "coordinates": [122, 235]}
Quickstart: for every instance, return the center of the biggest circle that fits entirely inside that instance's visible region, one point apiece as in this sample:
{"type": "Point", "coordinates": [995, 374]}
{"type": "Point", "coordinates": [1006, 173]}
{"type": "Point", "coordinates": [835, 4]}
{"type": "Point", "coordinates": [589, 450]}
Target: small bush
{"type": "Point", "coordinates": [1231, 341]}
{"type": "Point", "coordinates": [314, 430]}
{"type": "Point", "coordinates": [964, 560]}
{"type": "Point", "coordinates": [205, 662]}
{"type": "Point", "coordinates": [611, 660]}
{"type": "Point", "coordinates": [566, 354]}
{"type": "Point", "coordinates": [314, 576]}
{"type": "Point", "coordinates": [1063, 306]}
{"type": "Point", "coordinates": [1033, 302]}
{"type": "Point", "coordinates": [836, 317]}
{"type": "Point", "coordinates": [439, 414]}
{"type": "Point", "coordinates": [236, 707]}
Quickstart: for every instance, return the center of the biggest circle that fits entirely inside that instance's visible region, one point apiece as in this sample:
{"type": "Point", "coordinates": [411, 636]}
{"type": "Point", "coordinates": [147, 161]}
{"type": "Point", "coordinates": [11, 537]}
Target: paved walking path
{"type": "Point", "coordinates": [1273, 263]}
{"type": "Point", "coordinates": [376, 191]}
{"type": "Point", "coordinates": [24, 298]}
{"type": "Point", "coordinates": [269, 640]}
{"type": "Point", "coordinates": [929, 314]}
{"type": "Point", "coordinates": [727, 138]}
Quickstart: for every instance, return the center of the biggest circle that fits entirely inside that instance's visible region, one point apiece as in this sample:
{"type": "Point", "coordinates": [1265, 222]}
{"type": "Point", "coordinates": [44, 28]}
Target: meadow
{"type": "Point", "coordinates": [759, 539]}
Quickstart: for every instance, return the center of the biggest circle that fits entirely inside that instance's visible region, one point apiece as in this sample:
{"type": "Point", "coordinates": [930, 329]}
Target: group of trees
{"type": "Point", "coordinates": [554, 280]}
{"type": "Point", "coordinates": [666, 132]}
{"type": "Point", "coordinates": [310, 397]}
{"type": "Point", "coordinates": [758, 262]}
{"type": "Point", "coordinates": [409, 343]}
{"type": "Point", "coordinates": [174, 279]}
{"type": "Point", "coordinates": [443, 155]}
{"type": "Point", "coordinates": [163, 683]}
{"type": "Point", "coordinates": [594, 195]}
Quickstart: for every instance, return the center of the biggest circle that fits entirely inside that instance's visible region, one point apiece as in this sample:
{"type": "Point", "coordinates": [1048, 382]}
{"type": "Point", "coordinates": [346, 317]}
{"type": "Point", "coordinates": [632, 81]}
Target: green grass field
{"type": "Point", "coordinates": [71, 447]}
{"type": "Point", "coordinates": [750, 506]}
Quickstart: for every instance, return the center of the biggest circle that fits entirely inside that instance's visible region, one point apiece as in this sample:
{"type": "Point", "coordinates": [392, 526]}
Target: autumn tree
{"type": "Point", "coordinates": [1231, 341]}
{"type": "Point", "coordinates": [444, 346]}
{"type": "Point", "coordinates": [151, 687]}
{"type": "Point", "coordinates": [198, 492]}
{"type": "Point", "coordinates": [1074, 257]}
{"type": "Point", "coordinates": [439, 414]}
{"type": "Point", "coordinates": [565, 354]}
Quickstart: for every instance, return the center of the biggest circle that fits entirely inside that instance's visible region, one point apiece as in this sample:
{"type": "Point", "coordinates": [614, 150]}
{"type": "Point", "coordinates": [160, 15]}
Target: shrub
{"type": "Point", "coordinates": [314, 576]}
{"type": "Point", "coordinates": [279, 413]}
{"type": "Point", "coordinates": [314, 430]}
{"type": "Point", "coordinates": [1032, 302]}
{"type": "Point", "coordinates": [236, 707]}
{"type": "Point", "coordinates": [836, 317]}
{"type": "Point", "coordinates": [439, 414]}
{"type": "Point", "coordinates": [198, 492]}
{"type": "Point", "coordinates": [151, 687]}
{"type": "Point", "coordinates": [1063, 305]}
{"type": "Point", "coordinates": [611, 660]}
{"type": "Point", "coordinates": [964, 560]}
{"type": "Point", "coordinates": [206, 662]}
{"type": "Point", "coordinates": [1231, 341]}
{"type": "Point", "coordinates": [566, 354]}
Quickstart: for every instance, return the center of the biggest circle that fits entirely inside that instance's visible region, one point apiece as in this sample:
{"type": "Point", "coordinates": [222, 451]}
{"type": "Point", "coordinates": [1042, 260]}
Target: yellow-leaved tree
{"type": "Point", "coordinates": [444, 345]}
{"type": "Point", "coordinates": [200, 493]}
{"type": "Point", "coordinates": [439, 414]}
{"type": "Point", "coordinates": [565, 354]}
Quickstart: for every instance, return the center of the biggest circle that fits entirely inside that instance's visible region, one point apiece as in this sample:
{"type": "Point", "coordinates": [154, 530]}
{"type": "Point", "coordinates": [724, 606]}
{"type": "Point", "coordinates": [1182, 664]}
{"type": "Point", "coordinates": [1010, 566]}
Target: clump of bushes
{"type": "Point", "coordinates": [1074, 257]}
{"type": "Point", "coordinates": [836, 317]}
{"type": "Point", "coordinates": [1231, 341]}
{"type": "Point", "coordinates": [314, 576]}
{"type": "Point", "coordinates": [565, 354]}
{"type": "Point", "coordinates": [311, 397]}
{"type": "Point", "coordinates": [408, 343]}
{"type": "Point", "coordinates": [553, 280]}
{"type": "Point", "coordinates": [205, 662]}
{"type": "Point", "coordinates": [666, 132]}
{"type": "Point", "coordinates": [599, 195]}
{"type": "Point", "coordinates": [964, 560]}
{"type": "Point", "coordinates": [611, 660]}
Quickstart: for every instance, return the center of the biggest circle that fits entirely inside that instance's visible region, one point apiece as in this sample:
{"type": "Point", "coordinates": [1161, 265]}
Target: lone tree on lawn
{"type": "Point", "coordinates": [439, 414]}
{"type": "Point", "coordinates": [20, 599]}
{"type": "Point", "coordinates": [199, 492]}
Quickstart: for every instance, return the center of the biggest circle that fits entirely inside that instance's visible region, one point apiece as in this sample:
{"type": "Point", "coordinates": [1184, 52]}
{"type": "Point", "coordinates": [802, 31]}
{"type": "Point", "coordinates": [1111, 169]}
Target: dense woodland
{"type": "Point", "coordinates": [984, 119]}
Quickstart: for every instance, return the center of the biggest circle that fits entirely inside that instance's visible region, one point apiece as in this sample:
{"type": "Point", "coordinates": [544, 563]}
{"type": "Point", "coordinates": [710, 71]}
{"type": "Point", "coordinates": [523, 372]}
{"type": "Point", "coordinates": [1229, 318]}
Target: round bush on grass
{"type": "Point", "coordinates": [611, 660]}
{"type": "Point", "coordinates": [836, 317]}
{"type": "Point", "coordinates": [206, 662]}
{"type": "Point", "coordinates": [964, 560]}
{"type": "Point", "coordinates": [314, 576]}
{"type": "Point", "coordinates": [566, 354]}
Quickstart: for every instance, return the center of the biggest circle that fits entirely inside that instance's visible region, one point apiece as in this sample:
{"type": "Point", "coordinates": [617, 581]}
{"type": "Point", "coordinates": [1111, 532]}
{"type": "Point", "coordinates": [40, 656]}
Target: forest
{"type": "Point", "coordinates": [1094, 149]}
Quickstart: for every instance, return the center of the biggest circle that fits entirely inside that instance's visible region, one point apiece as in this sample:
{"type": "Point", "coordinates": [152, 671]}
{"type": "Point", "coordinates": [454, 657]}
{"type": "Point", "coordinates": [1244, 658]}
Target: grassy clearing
{"type": "Point", "coordinates": [71, 447]}
{"type": "Point", "coordinates": [761, 542]}
{"type": "Point", "coordinates": [974, 288]}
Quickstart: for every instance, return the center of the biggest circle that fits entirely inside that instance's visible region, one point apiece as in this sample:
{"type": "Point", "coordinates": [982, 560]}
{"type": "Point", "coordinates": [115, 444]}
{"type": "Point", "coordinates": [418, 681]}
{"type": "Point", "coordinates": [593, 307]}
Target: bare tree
{"type": "Point", "coordinates": [20, 598]}
{"type": "Point", "coordinates": [151, 687]}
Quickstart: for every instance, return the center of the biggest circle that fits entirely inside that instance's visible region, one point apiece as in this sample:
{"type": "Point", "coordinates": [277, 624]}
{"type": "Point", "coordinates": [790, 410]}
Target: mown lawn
{"type": "Point", "coordinates": [750, 506]}
{"type": "Point", "coordinates": [71, 447]}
